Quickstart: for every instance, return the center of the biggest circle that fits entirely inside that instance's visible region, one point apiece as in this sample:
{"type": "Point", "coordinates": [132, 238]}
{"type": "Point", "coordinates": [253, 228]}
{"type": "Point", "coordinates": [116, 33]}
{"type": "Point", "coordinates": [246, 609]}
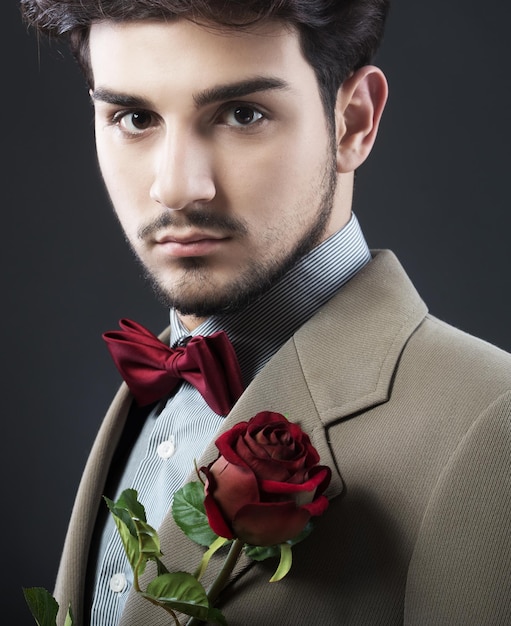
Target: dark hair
{"type": "Point", "coordinates": [337, 36]}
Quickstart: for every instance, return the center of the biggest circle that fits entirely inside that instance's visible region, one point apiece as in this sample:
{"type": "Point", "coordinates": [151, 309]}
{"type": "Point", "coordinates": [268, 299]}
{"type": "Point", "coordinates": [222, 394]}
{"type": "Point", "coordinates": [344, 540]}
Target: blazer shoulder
{"type": "Point", "coordinates": [469, 352]}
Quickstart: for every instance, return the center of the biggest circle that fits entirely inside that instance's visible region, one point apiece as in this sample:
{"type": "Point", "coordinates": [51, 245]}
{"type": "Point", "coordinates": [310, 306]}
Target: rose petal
{"type": "Point", "coordinates": [234, 486]}
{"type": "Point", "coordinates": [264, 418]}
{"type": "Point", "coordinates": [267, 468]}
{"type": "Point", "coordinates": [318, 481]}
{"type": "Point", "coordinates": [322, 472]}
{"type": "Point", "coordinates": [226, 443]}
{"type": "Point", "coordinates": [270, 524]}
{"type": "Point", "coordinates": [317, 506]}
{"type": "Point", "coordinates": [215, 516]}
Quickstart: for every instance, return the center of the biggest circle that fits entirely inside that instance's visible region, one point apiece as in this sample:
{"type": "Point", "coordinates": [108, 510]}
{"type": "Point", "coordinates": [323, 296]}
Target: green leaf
{"type": "Point", "coordinates": [148, 540]}
{"type": "Point", "coordinates": [42, 604]}
{"type": "Point", "coordinates": [69, 618]}
{"type": "Point", "coordinates": [214, 547]}
{"type": "Point", "coordinates": [261, 553]}
{"type": "Point", "coordinates": [161, 567]}
{"type": "Point", "coordinates": [140, 540]}
{"type": "Point", "coordinates": [286, 560]}
{"type": "Point", "coordinates": [126, 508]}
{"type": "Point", "coordinates": [131, 545]}
{"type": "Point", "coordinates": [190, 515]}
{"type": "Point", "coordinates": [180, 591]}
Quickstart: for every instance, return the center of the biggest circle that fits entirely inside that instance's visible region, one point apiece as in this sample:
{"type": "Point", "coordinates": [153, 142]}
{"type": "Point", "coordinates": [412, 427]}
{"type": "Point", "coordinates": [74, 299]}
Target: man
{"type": "Point", "coordinates": [228, 135]}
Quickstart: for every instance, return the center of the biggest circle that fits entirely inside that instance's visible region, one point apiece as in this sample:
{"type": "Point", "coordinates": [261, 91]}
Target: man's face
{"type": "Point", "coordinates": [216, 154]}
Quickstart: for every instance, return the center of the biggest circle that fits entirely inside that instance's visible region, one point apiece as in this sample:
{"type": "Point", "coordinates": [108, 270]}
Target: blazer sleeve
{"type": "Point", "coordinates": [460, 572]}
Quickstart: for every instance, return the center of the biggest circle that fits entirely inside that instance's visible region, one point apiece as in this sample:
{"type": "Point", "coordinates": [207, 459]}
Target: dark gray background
{"type": "Point", "coordinates": [435, 190]}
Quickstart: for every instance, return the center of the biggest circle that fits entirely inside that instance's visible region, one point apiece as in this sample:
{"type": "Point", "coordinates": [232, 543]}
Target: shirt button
{"type": "Point", "coordinates": [166, 448]}
{"type": "Point", "coordinates": [118, 582]}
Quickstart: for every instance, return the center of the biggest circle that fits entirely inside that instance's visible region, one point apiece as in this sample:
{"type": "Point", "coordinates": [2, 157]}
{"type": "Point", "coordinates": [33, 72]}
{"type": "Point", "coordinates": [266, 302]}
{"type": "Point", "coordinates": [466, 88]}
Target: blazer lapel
{"type": "Point", "coordinates": [359, 335]}
{"type": "Point", "coordinates": [70, 584]}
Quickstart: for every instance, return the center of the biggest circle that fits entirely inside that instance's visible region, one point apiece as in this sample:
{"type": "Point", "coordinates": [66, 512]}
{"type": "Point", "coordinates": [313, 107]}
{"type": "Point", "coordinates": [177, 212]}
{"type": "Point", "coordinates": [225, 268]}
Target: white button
{"type": "Point", "coordinates": [166, 448]}
{"type": "Point", "coordinates": [118, 582]}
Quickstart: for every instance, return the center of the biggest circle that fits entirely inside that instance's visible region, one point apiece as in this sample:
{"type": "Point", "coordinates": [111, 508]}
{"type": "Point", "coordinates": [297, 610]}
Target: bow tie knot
{"type": "Point", "coordinates": [152, 369]}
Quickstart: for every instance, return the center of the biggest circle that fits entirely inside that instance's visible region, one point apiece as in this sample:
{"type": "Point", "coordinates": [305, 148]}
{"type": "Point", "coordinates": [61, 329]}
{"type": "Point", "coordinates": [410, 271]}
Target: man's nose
{"type": "Point", "coordinates": [182, 172]}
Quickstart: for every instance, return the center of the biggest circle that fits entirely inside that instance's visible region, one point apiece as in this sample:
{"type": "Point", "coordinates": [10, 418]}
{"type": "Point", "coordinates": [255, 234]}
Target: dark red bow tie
{"type": "Point", "coordinates": [152, 370]}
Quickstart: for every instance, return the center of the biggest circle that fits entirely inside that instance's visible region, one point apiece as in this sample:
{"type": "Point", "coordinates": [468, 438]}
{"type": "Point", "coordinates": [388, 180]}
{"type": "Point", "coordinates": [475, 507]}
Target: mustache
{"type": "Point", "coordinates": [199, 218]}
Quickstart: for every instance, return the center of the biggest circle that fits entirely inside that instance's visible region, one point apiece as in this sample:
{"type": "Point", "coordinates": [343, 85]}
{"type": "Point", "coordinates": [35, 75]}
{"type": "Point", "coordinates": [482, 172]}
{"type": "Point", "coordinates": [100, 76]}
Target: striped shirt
{"type": "Point", "coordinates": [178, 430]}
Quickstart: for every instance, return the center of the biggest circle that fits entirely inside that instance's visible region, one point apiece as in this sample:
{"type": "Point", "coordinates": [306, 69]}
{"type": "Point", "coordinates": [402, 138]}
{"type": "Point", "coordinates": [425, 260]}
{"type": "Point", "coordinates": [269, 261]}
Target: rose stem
{"type": "Point", "coordinates": [223, 576]}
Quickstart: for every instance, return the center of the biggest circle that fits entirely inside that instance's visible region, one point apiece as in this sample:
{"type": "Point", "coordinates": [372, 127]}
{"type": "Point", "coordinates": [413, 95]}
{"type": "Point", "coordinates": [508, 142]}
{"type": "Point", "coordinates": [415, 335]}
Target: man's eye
{"type": "Point", "coordinates": [134, 122]}
{"type": "Point", "coordinates": [241, 115]}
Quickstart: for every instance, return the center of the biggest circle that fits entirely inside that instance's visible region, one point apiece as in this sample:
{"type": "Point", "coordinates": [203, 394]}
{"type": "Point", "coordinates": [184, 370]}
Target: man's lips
{"type": "Point", "coordinates": [192, 244]}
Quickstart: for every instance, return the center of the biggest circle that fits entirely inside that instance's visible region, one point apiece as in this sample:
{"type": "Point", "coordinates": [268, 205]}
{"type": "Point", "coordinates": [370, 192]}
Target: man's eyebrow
{"type": "Point", "coordinates": [120, 99]}
{"type": "Point", "coordinates": [218, 93]}
{"type": "Point", "coordinates": [231, 91]}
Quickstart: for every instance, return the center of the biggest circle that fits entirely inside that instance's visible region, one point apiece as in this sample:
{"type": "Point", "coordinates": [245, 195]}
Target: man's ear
{"type": "Point", "coordinates": [359, 107]}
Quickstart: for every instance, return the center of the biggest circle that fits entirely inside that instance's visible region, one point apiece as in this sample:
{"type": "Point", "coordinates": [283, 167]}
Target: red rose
{"type": "Point", "coordinates": [266, 483]}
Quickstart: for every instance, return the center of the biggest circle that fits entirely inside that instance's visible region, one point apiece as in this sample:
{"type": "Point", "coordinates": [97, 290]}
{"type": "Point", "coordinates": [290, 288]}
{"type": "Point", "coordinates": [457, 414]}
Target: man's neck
{"type": "Point", "coordinates": [191, 322]}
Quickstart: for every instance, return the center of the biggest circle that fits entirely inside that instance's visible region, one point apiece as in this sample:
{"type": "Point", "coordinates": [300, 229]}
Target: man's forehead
{"type": "Point", "coordinates": [148, 51]}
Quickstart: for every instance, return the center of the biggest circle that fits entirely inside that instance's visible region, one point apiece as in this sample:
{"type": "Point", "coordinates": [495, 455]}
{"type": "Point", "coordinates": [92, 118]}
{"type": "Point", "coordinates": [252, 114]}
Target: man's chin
{"type": "Point", "coordinates": [207, 299]}
{"type": "Point", "coordinates": [201, 303]}
{"type": "Point", "coordinates": [208, 304]}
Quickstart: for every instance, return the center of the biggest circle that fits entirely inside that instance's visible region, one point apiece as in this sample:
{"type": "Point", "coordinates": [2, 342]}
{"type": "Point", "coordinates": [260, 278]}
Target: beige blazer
{"type": "Point", "coordinates": [413, 417]}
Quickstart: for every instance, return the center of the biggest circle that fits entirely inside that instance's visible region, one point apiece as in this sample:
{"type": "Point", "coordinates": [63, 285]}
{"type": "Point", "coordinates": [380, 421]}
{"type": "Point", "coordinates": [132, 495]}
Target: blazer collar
{"type": "Point", "coordinates": [359, 335]}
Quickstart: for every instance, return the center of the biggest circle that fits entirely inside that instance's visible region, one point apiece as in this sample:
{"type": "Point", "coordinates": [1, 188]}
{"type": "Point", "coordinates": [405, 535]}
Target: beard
{"type": "Point", "coordinates": [257, 278]}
